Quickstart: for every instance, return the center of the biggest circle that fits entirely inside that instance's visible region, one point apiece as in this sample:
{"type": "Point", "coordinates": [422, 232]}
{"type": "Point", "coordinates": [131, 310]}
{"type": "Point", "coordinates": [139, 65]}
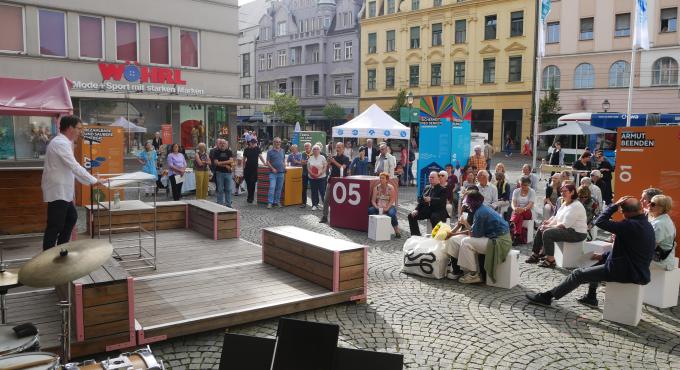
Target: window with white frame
{"type": "Point", "coordinates": [337, 87]}
{"type": "Point", "coordinates": [348, 49]}
{"type": "Point", "coordinates": [619, 74]}
{"type": "Point", "coordinates": [414, 75]}
{"type": "Point", "coordinates": [586, 28]}
{"type": "Point", "coordinates": [126, 41]}
{"type": "Point", "coordinates": [436, 34]}
{"type": "Point", "coordinates": [294, 57]}
{"type": "Point", "coordinates": [622, 25]}
{"type": "Point", "coordinates": [370, 80]}
{"type": "Point", "coordinates": [245, 91]}
{"type": "Point", "coordinates": [11, 28]}
{"type": "Point", "coordinates": [665, 71]}
{"type": "Point", "coordinates": [517, 23]}
{"type": "Point", "coordinates": [188, 41]}
{"type": "Point", "coordinates": [281, 58]}
{"type": "Point", "coordinates": [52, 25]}
{"type": "Point", "coordinates": [490, 27]}
{"type": "Point", "coordinates": [245, 65]}
{"type": "Point", "coordinates": [337, 51]}
{"type": "Point", "coordinates": [372, 43]}
{"type": "Point", "coordinates": [390, 6]}
{"type": "Point", "coordinates": [348, 86]}
{"type": "Point", "coordinates": [551, 78]}
{"type": "Point", "coordinates": [281, 28]}
{"type": "Point", "coordinates": [90, 37]}
{"type": "Point", "coordinates": [371, 9]}
{"type": "Point", "coordinates": [584, 76]}
{"type": "Point", "coordinates": [315, 87]}
{"type": "Point", "coordinates": [669, 20]}
{"type": "Point", "coordinates": [414, 37]}
{"type": "Point", "coordinates": [459, 73]}
{"type": "Point", "coordinates": [515, 68]}
{"type": "Point", "coordinates": [389, 78]}
{"type": "Point", "coordinates": [436, 74]}
{"type": "Point", "coordinates": [460, 31]}
{"type": "Point", "coordinates": [489, 71]}
{"type": "Point", "coordinates": [270, 61]}
{"type": "Point", "coordinates": [159, 45]}
{"type": "Point", "coordinates": [552, 35]}
{"type": "Point", "coordinates": [390, 41]}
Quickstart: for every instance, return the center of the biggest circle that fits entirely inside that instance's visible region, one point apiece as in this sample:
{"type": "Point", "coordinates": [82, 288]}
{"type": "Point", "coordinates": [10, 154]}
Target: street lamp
{"type": "Point", "coordinates": [409, 99]}
{"type": "Point", "coordinates": [606, 105]}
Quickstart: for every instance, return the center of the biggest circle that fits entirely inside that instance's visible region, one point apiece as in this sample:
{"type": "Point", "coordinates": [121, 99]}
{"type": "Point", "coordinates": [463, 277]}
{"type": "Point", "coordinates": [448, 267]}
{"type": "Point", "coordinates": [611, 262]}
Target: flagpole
{"type": "Point", "coordinates": [537, 89]}
{"type": "Point", "coordinates": [631, 80]}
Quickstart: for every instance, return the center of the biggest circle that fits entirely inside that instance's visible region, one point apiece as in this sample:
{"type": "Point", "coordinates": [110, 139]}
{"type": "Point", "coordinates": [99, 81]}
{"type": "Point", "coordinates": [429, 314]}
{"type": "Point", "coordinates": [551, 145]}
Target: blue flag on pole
{"type": "Point", "coordinates": [545, 10]}
{"type": "Point", "coordinates": [641, 37]}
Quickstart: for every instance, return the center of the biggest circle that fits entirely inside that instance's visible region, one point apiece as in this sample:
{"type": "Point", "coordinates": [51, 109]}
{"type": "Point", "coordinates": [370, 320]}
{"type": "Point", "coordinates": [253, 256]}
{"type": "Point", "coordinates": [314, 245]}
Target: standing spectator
{"type": "Point", "coordinates": [488, 153]}
{"type": "Point", "coordinates": [477, 160]}
{"type": "Point", "coordinates": [385, 162]}
{"type": "Point", "coordinates": [223, 160]}
{"type": "Point", "coordinates": [349, 151]}
{"type": "Point", "coordinates": [304, 157]}
{"type": "Point", "coordinates": [295, 157]}
{"type": "Point", "coordinates": [275, 162]}
{"type": "Point", "coordinates": [605, 168]}
{"type": "Point", "coordinates": [238, 174]}
{"type": "Point", "coordinates": [405, 164]}
{"type": "Point", "coordinates": [202, 171]}
{"type": "Point", "coordinates": [157, 141]}
{"type": "Point", "coordinates": [58, 179]}
{"type": "Point", "coordinates": [148, 158]}
{"type": "Point", "coordinates": [451, 185]}
{"type": "Point", "coordinates": [176, 167]}
{"type": "Point", "coordinates": [582, 167]}
{"type": "Point", "coordinates": [458, 172]}
{"type": "Point", "coordinates": [557, 155]}
{"type": "Point", "coordinates": [359, 165]}
{"type": "Point", "coordinates": [526, 150]}
{"type": "Point", "coordinates": [383, 201]}
{"type": "Point", "coordinates": [526, 172]}
{"type": "Point", "coordinates": [316, 170]}
{"type": "Point", "coordinates": [371, 153]}
{"type": "Point", "coordinates": [523, 199]}
{"type": "Point", "coordinates": [251, 156]}
{"type": "Point", "coordinates": [508, 145]}
{"type": "Point", "coordinates": [338, 165]}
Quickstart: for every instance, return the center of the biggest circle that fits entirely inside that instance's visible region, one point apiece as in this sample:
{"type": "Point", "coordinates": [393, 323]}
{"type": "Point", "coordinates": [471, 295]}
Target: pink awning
{"type": "Point", "coordinates": [20, 97]}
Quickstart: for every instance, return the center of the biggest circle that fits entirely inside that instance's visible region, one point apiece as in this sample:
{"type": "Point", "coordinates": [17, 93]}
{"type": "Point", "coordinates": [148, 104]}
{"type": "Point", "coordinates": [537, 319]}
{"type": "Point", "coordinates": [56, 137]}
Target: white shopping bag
{"type": "Point", "coordinates": [425, 257]}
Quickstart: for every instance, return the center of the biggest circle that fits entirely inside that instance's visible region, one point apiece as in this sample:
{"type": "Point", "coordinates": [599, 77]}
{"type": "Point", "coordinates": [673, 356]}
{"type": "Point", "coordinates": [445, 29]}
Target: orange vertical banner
{"type": "Point", "coordinates": [166, 134]}
{"type": "Point", "coordinates": [646, 157]}
{"type": "Point", "coordinates": [104, 156]}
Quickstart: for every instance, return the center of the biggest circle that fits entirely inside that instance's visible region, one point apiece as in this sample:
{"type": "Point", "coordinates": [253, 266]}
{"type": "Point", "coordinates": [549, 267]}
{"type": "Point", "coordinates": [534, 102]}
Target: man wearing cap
{"type": "Point", "coordinates": [477, 160]}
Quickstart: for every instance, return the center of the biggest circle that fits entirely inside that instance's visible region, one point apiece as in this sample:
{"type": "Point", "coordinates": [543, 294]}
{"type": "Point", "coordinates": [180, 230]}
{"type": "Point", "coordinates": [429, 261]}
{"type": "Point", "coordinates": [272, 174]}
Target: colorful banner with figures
{"type": "Point", "coordinates": [444, 134]}
{"type": "Point", "coordinates": [104, 155]}
{"type": "Point", "coordinates": [644, 158]}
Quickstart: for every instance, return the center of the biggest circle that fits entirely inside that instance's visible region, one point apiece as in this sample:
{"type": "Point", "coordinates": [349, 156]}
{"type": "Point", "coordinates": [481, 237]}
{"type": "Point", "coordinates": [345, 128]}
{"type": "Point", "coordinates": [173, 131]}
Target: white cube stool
{"type": "Point", "coordinates": [529, 225]}
{"type": "Point", "coordinates": [662, 290]}
{"type": "Point", "coordinates": [507, 273]}
{"type": "Point", "coordinates": [597, 246]}
{"type": "Point", "coordinates": [623, 303]}
{"type": "Point", "coordinates": [379, 227]}
{"type": "Point", "coordinates": [568, 255]}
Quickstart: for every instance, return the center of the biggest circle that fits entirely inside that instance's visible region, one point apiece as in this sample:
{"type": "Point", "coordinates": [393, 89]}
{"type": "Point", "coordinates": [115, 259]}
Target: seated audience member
{"type": "Point", "coordinates": [384, 197]}
{"type": "Point", "coordinates": [431, 205]}
{"type": "Point", "coordinates": [487, 189]}
{"type": "Point", "coordinates": [589, 204]}
{"type": "Point", "coordinates": [664, 231]}
{"type": "Point", "coordinates": [595, 191]}
{"type": "Point", "coordinates": [488, 234]}
{"type": "Point", "coordinates": [646, 198]}
{"type": "Point", "coordinates": [500, 167]}
{"type": "Point", "coordinates": [566, 176]}
{"type": "Point", "coordinates": [526, 172]}
{"type": "Point", "coordinates": [552, 192]}
{"type": "Point", "coordinates": [568, 225]}
{"type": "Point", "coordinates": [504, 196]}
{"type": "Point", "coordinates": [628, 262]}
{"type": "Point", "coordinates": [523, 200]}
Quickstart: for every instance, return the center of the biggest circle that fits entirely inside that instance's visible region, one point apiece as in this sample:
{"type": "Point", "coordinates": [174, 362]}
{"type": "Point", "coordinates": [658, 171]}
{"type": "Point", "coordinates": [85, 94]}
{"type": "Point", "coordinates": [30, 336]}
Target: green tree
{"type": "Point", "coordinates": [286, 108]}
{"type": "Point", "coordinates": [399, 102]}
{"type": "Point", "coordinates": [334, 112]}
{"type": "Point", "coordinates": [549, 107]}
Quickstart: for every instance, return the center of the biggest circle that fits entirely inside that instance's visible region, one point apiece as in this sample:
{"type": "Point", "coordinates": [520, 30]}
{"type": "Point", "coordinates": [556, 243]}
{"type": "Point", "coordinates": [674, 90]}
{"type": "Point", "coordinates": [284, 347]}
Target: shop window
{"type": "Point", "coordinates": [23, 137]}
{"type": "Point", "coordinates": [126, 41]}
{"type": "Point", "coordinates": [189, 44]}
{"type": "Point", "coordinates": [11, 28]}
{"type": "Point", "coordinates": [159, 45]}
{"type": "Point", "coordinates": [52, 26]}
{"type": "Point", "coordinates": [91, 37]}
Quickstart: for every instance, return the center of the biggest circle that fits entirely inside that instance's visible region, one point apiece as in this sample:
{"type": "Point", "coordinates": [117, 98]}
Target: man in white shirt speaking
{"type": "Point", "coordinates": [60, 171]}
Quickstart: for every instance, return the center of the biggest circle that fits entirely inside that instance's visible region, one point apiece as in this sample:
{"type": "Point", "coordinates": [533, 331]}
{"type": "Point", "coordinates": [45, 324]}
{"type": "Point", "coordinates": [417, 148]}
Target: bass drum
{"type": "Point", "coordinates": [30, 361]}
{"type": "Point", "coordinates": [141, 359]}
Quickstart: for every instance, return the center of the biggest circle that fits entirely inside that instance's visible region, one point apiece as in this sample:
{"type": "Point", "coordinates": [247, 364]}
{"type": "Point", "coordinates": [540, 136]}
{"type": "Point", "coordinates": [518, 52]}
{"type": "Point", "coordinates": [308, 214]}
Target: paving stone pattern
{"type": "Point", "coordinates": [442, 324]}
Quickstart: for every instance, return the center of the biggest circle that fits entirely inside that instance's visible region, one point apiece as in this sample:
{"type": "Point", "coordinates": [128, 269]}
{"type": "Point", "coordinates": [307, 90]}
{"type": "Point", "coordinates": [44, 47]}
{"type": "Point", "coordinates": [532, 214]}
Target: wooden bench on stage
{"type": "Point", "coordinates": [213, 220]}
{"type": "Point", "coordinates": [170, 215]}
{"type": "Point", "coordinates": [103, 310]}
{"type": "Point", "coordinates": [335, 264]}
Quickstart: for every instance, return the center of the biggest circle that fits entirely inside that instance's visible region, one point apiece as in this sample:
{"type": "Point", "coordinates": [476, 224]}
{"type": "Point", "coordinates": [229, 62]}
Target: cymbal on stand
{"type": "Point", "coordinates": [65, 263]}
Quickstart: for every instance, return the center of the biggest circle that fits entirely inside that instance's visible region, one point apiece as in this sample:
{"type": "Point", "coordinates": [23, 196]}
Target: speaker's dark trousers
{"type": "Point", "coordinates": [61, 218]}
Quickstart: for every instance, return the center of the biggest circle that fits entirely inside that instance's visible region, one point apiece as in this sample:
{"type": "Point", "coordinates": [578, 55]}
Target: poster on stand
{"type": "Point", "coordinates": [312, 137]}
{"type": "Point", "coordinates": [637, 170]}
{"type": "Point", "coordinates": [103, 156]}
{"type": "Point", "coordinates": [444, 134]}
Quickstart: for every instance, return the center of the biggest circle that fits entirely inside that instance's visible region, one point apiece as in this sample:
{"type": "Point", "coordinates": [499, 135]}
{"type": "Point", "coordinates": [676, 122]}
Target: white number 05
{"type": "Point", "coordinates": [354, 198]}
{"type": "Point", "coordinates": [624, 174]}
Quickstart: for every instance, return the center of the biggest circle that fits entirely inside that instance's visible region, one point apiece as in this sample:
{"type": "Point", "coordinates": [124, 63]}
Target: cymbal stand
{"type": "Point", "coordinates": [3, 292]}
{"type": "Point", "coordinates": [65, 309]}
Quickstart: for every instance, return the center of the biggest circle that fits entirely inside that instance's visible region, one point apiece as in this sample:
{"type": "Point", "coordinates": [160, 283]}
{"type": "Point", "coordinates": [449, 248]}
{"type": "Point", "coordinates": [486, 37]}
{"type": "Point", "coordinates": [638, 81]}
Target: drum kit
{"type": "Point", "coordinates": [55, 267]}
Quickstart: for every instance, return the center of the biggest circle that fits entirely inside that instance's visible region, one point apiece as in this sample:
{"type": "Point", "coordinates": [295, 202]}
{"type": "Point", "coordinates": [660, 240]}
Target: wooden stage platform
{"type": "Point", "coordinates": [200, 284]}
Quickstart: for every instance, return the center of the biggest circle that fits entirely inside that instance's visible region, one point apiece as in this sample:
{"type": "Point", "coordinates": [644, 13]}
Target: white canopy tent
{"type": "Point", "coordinates": [373, 123]}
{"type": "Point", "coordinates": [127, 125]}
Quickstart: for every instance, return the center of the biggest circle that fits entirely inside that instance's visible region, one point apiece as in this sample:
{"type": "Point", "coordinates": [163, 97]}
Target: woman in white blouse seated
{"type": "Point", "coordinates": [568, 225]}
{"type": "Point", "coordinates": [664, 232]}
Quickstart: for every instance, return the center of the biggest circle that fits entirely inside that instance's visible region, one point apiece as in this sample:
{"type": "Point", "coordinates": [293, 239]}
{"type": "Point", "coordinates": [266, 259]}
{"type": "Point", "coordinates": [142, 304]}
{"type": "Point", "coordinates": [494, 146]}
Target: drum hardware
{"type": "Point", "coordinates": [8, 279]}
{"type": "Point", "coordinates": [65, 263]}
{"type": "Point", "coordinates": [140, 359]}
{"type": "Point", "coordinates": [11, 344]}
{"type": "Point", "coordinates": [30, 360]}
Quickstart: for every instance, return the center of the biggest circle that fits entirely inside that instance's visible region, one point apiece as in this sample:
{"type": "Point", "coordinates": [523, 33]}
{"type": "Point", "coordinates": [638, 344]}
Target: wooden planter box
{"type": "Point", "coordinates": [213, 220]}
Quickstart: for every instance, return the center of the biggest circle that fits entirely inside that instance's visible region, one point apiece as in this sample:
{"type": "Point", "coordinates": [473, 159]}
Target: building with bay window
{"type": "Point", "coordinates": [310, 49]}
{"type": "Point", "coordinates": [154, 65]}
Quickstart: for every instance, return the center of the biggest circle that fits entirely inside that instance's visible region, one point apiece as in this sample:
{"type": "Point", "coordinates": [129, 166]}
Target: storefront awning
{"type": "Point", "coordinates": [21, 97]}
{"type": "Point", "coordinates": [94, 94]}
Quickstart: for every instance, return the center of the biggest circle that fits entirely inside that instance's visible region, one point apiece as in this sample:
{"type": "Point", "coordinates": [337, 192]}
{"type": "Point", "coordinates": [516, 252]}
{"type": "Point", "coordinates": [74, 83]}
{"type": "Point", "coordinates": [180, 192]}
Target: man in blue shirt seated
{"type": "Point", "coordinates": [628, 262]}
{"type": "Point", "coordinates": [489, 235]}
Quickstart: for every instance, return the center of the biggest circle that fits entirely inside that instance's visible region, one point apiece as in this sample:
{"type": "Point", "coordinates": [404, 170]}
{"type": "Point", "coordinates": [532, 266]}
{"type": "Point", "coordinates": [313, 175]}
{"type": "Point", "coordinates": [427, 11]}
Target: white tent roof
{"type": "Point", "coordinates": [127, 125]}
{"type": "Point", "coordinates": [373, 123]}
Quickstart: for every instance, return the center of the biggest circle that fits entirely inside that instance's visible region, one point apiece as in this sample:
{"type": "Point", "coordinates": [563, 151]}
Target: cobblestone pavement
{"type": "Point", "coordinates": [442, 324]}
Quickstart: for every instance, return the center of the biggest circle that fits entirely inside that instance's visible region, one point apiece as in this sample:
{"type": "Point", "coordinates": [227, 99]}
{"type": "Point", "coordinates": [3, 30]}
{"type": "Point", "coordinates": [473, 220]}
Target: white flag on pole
{"type": "Point", "coordinates": [545, 10]}
{"type": "Point", "coordinates": [641, 36]}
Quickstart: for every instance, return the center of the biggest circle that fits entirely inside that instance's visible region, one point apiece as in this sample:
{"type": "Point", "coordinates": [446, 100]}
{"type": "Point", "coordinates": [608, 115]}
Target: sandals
{"type": "Point", "coordinates": [547, 264]}
{"type": "Point", "coordinates": [532, 259]}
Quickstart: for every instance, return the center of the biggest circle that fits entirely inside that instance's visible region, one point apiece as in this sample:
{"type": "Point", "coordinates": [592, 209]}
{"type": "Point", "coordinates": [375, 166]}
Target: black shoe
{"type": "Point", "coordinates": [397, 236]}
{"type": "Point", "coordinates": [303, 206]}
{"type": "Point", "coordinates": [323, 220]}
{"type": "Point", "coordinates": [588, 301]}
{"type": "Point", "coordinates": [542, 299]}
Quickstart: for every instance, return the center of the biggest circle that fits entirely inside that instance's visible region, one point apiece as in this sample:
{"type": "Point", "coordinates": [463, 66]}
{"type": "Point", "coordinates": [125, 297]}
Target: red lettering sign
{"type": "Point", "coordinates": [111, 71]}
{"type": "Point", "coordinates": [142, 74]}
